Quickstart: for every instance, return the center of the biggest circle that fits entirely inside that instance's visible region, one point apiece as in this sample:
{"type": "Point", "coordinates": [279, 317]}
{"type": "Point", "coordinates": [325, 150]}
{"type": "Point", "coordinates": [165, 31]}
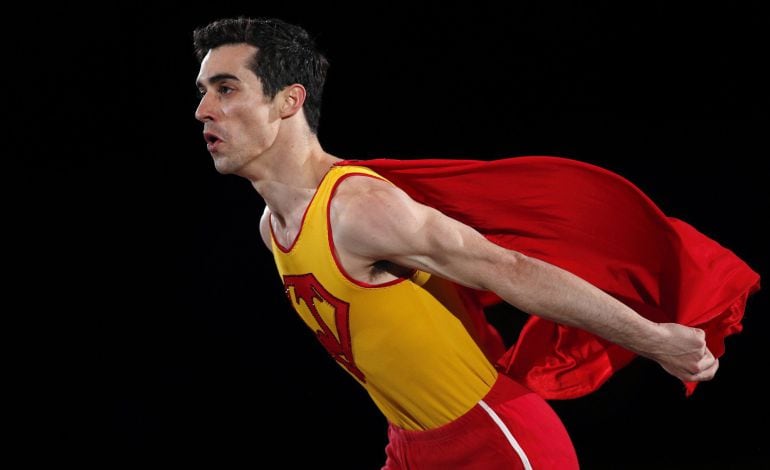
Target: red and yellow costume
{"type": "Point", "coordinates": [420, 345]}
{"type": "Point", "coordinates": [411, 353]}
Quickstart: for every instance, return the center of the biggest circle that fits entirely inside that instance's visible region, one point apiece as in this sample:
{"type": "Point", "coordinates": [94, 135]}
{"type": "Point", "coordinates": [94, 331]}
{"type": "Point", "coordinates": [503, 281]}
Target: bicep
{"type": "Point", "coordinates": [386, 224]}
{"type": "Point", "coordinates": [452, 250]}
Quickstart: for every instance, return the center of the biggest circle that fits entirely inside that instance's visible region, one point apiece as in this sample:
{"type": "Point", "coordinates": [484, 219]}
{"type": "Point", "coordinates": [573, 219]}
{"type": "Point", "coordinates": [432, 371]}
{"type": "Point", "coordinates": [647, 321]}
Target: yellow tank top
{"type": "Point", "coordinates": [411, 353]}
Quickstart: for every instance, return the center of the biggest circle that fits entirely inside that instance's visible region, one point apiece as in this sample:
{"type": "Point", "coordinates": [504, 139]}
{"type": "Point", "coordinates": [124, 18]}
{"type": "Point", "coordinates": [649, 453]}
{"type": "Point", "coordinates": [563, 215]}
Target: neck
{"type": "Point", "coordinates": [286, 176]}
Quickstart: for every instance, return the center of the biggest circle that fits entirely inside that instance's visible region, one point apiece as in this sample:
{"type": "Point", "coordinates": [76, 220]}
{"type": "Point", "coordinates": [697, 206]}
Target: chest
{"type": "Point", "coordinates": [285, 233]}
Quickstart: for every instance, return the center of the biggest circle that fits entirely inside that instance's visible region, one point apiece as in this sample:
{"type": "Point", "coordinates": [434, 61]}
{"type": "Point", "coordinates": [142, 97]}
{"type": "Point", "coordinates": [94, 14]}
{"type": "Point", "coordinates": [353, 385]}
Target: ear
{"type": "Point", "coordinates": [292, 99]}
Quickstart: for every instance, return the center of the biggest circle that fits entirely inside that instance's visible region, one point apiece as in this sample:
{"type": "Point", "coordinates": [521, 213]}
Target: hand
{"type": "Point", "coordinates": [684, 353]}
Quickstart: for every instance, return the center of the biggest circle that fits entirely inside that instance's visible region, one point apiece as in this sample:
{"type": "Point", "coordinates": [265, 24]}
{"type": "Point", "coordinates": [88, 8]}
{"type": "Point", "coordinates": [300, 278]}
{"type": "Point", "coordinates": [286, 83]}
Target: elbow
{"type": "Point", "coordinates": [504, 268]}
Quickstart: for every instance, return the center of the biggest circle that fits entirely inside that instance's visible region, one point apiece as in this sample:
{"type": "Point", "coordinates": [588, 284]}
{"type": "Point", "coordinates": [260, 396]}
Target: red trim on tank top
{"type": "Point", "coordinates": [331, 237]}
{"type": "Point", "coordinates": [302, 223]}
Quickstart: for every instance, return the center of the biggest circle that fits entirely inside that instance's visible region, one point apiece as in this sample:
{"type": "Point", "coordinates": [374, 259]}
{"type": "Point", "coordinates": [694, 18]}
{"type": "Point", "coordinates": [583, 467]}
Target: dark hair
{"type": "Point", "coordinates": [286, 54]}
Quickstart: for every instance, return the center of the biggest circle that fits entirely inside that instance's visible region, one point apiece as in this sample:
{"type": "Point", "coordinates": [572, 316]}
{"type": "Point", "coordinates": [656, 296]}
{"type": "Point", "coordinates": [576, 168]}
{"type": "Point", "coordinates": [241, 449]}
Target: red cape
{"type": "Point", "coordinates": [597, 225]}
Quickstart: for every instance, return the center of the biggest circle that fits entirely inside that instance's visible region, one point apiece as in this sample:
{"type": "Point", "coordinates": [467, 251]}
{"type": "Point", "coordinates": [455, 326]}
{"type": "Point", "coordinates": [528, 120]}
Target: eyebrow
{"type": "Point", "coordinates": [220, 77]}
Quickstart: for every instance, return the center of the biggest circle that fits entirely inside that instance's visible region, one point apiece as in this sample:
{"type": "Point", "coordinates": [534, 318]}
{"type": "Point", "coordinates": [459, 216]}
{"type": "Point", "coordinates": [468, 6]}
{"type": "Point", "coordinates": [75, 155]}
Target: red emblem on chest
{"type": "Point", "coordinates": [307, 288]}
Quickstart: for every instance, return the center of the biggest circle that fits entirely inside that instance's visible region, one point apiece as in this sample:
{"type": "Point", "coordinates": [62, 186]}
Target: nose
{"type": "Point", "coordinates": [205, 111]}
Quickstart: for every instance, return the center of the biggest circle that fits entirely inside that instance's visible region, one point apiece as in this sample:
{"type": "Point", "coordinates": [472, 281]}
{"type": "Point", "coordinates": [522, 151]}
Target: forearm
{"type": "Point", "coordinates": [550, 292]}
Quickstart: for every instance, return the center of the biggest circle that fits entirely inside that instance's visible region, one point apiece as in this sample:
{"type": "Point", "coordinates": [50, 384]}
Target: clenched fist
{"type": "Point", "coordinates": [683, 353]}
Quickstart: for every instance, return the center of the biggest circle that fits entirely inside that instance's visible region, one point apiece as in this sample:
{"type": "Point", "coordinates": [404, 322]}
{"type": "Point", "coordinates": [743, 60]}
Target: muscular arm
{"type": "Point", "coordinates": [376, 221]}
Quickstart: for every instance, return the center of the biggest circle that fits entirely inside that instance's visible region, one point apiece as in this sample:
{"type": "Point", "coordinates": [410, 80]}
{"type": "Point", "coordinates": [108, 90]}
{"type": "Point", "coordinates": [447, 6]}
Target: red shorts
{"type": "Point", "coordinates": [511, 427]}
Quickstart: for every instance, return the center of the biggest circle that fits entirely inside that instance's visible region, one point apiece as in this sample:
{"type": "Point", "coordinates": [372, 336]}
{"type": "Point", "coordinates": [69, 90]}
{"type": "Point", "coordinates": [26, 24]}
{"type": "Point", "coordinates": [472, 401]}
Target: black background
{"type": "Point", "coordinates": [157, 328]}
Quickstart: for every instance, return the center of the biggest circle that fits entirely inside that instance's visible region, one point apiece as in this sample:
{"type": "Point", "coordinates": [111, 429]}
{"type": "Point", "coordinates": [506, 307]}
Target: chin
{"type": "Point", "coordinates": [223, 165]}
{"type": "Point", "coordinates": [228, 165]}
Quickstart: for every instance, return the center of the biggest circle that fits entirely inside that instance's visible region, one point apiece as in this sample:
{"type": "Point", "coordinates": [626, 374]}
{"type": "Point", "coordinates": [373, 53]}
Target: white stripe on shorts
{"type": "Point", "coordinates": [511, 440]}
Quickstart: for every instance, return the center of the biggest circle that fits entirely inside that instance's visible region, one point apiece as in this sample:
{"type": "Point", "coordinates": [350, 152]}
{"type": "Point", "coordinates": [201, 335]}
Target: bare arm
{"type": "Point", "coordinates": [377, 221]}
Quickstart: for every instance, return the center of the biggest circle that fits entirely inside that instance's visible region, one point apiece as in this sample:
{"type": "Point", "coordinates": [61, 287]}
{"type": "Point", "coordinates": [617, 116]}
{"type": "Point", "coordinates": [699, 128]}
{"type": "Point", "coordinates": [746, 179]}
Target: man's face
{"type": "Point", "coordinates": [239, 122]}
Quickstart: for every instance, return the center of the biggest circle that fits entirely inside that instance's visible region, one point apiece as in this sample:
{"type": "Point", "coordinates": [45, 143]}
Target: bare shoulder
{"type": "Point", "coordinates": [264, 228]}
{"type": "Point", "coordinates": [364, 201]}
{"type": "Point", "coordinates": [369, 216]}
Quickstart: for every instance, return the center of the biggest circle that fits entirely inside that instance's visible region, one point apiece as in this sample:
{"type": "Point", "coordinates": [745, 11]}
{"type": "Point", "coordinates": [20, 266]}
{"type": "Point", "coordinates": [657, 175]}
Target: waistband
{"type": "Point", "coordinates": [504, 390]}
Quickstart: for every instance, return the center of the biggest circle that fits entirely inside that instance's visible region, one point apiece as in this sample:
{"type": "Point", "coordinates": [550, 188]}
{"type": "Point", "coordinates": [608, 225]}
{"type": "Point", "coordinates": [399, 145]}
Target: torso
{"type": "Point", "coordinates": [398, 332]}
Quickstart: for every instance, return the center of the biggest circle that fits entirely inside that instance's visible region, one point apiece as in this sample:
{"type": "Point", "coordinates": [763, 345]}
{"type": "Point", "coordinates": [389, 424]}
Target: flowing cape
{"type": "Point", "coordinates": [600, 227]}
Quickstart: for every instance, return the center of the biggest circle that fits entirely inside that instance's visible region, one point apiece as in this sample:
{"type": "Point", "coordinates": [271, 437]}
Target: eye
{"type": "Point", "coordinates": [225, 90]}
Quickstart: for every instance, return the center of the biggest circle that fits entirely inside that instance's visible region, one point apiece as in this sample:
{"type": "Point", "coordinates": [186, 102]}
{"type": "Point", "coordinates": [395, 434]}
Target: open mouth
{"type": "Point", "coordinates": [211, 139]}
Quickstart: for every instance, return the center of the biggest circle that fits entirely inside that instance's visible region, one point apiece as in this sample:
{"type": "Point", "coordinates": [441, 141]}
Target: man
{"type": "Point", "coordinates": [378, 275]}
